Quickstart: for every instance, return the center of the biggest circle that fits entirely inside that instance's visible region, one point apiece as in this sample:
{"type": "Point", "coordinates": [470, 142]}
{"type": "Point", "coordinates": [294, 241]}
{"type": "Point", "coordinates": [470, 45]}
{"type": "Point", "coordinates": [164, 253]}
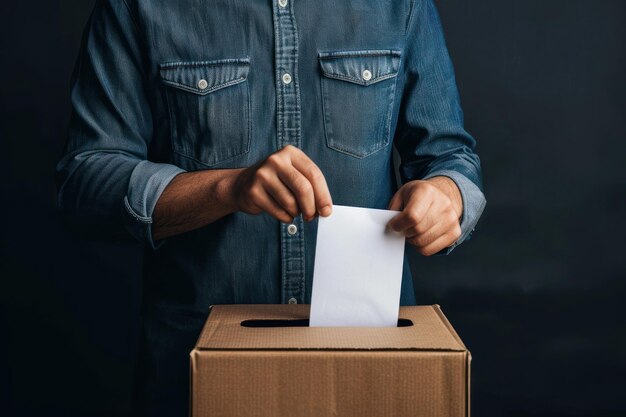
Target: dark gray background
{"type": "Point", "coordinates": [536, 294]}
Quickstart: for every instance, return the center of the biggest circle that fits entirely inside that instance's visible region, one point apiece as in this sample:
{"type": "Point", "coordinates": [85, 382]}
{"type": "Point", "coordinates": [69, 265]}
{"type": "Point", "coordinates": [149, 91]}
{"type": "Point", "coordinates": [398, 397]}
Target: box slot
{"type": "Point", "coordinates": [299, 323]}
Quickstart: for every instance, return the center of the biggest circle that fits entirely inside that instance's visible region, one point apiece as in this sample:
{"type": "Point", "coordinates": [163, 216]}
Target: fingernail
{"type": "Point", "coordinates": [326, 211]}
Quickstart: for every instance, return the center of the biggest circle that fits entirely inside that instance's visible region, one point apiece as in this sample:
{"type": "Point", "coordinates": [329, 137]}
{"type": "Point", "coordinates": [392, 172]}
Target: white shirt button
{"type": "Point", "coordinates": [293, 301]}
{"type": "Point", "coordinates": [282, 3]}
{"type": "Point", "coordinates": [287, 78]}
{"type": "Point", "coordinates": [292, 229]}
{"type": "Point", "coordinates": [367, 75]}
{"type": "Point", "coordinates": [202, 84]}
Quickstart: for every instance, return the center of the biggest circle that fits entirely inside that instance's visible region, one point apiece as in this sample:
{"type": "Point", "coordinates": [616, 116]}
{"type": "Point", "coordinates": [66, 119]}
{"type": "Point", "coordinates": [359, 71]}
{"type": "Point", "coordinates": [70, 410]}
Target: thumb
{"type": "Point", "coordinates": [396, 202]}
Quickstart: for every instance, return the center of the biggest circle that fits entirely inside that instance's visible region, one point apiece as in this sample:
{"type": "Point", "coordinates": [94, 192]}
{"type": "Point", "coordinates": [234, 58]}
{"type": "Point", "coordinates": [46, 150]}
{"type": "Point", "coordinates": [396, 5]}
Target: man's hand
{"type": "Point", "coordinates": [431, 210]}
{"type": "Point", "coordinates": [284, 185]}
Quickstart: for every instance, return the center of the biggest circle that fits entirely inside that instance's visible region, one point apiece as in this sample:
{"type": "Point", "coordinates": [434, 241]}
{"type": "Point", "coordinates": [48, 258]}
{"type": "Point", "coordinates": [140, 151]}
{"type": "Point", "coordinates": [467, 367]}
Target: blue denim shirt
{"type": "Point", "coordinates": [162, 87]}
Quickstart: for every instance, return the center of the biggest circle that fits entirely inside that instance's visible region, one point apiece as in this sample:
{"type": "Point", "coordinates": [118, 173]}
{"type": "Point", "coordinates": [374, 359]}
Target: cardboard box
{"type": "Point", "coordinates": [263, 360]}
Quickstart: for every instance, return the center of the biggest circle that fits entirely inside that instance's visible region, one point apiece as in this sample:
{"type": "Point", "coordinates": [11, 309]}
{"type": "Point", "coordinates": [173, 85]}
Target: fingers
{"type": "Point", "coordinates": [279, 191]}
{"type": "Point", "coordinates": [413, 214]}
{"type": "Point", "coordinates": [321, 194]}
{"type": "Point", "coordinates": [442, 234]}
{"type": "Point", "coordinates": [287, 183]}
{"type": "Point", "coordinates": [261, 199]}
{"type": "Point", "coordinates": [302, 190]}
{"type": "Point", "coordinates": [434, 216]}
{"type": "Point", "coordinates": [441, 242]}
{"type": "Point", "coordinates": [280, 168]}
{"type": "Point", "coordinates": [426, 227]}
{"type": "Point", "coordinates": [428, 218]}
{"type": "Point", "coordinates": [424, 238]}
{"type": "Point", "coordinates": [396, 201]}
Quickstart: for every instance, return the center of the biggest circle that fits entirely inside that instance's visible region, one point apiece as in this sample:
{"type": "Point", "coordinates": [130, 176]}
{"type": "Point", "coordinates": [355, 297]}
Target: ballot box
{"type": "Point", "coordinates": [264, 360]}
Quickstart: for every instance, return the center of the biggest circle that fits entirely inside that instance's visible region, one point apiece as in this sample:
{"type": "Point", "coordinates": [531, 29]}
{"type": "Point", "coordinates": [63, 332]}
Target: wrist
{"type": "Point", "coordinates": [225, 190]}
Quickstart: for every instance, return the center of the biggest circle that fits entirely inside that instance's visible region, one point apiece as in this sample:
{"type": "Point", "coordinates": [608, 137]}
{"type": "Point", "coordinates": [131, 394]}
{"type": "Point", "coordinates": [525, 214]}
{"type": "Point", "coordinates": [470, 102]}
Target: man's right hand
{"type": "Point", "coordinates": [284, 185]}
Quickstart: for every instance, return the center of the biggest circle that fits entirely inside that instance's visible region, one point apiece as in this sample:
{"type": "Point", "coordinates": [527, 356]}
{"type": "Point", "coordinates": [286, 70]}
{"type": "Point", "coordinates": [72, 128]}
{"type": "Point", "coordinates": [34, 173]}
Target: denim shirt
{"type": "Point", "coordinates": [163, 87]}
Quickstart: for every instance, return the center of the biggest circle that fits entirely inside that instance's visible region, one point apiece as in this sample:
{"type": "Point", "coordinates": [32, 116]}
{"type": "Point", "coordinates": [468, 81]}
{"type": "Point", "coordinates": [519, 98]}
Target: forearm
{"type": "Point", "coordinates": [284, 185]}
{"type": "Point", "coordinates": [193, 200]}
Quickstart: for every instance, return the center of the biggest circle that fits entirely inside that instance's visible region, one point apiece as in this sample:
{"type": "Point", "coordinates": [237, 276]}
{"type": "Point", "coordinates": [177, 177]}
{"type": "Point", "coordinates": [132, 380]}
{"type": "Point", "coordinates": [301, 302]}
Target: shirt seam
{"type": "Point", "coordinates": [206, 91]}
{"type": "Point", "coordinates": [358, 80]}
{"type": "Point", "coordinates": [358, 53]}
{"type": "Point", "coordinates": [410, 19]}
{"type": "Point", "coordinates": [213, 63]}
{"type": "Point", "coordinates": [132, 16]}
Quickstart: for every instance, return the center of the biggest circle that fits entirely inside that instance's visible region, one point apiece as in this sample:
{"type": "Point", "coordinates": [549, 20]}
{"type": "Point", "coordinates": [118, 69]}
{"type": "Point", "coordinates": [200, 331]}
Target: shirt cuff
{"type": "Point", "coordinates": [147, 182]}
{"type": "Point", "coordinates": [474, 203]}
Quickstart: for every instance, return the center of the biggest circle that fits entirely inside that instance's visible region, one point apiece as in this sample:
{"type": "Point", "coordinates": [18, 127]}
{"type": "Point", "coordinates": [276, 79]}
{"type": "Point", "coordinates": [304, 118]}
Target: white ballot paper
{"type": "Point", "coordinates": [358, 269]}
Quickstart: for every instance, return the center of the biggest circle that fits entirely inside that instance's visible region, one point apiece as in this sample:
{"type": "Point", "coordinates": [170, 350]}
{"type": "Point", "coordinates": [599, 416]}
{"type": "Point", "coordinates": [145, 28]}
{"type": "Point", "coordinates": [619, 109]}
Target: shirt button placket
{"type": "Point", "coordinates": [288, 132]}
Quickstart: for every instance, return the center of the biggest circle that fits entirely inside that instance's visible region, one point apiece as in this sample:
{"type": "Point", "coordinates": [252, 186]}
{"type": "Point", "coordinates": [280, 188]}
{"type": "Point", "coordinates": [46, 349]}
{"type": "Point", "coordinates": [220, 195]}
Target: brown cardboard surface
{"type": "Point", "coordinates": [430, 331]}
{"type": "Point", "coordinates": [421, 370]}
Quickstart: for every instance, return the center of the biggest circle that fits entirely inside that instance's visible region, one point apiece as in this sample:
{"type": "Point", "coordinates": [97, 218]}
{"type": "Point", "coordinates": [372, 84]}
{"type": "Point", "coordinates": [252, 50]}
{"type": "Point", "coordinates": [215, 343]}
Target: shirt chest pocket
{"type": "Point", "coordinates": [358, 93]}
{"type": "Point", "coordinates": [209, 108]}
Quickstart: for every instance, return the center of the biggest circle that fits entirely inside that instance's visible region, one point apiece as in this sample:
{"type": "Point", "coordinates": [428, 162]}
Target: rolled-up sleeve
{"type": "Point", "coordinates": [430, 137]}
{"type": "Point", "coordinates": [104, 177]}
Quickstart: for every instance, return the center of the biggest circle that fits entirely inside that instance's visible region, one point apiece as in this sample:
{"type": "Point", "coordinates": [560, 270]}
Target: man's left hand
{"type": "Point", "coordinates": [430, 215]}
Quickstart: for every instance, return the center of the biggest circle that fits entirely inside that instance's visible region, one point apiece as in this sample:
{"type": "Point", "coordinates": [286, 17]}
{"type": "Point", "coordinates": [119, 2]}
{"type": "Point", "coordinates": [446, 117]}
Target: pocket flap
{"type": "Point", "coordinates": [204, 77]}
{"type": "Point", "coordinates": [360, 67]}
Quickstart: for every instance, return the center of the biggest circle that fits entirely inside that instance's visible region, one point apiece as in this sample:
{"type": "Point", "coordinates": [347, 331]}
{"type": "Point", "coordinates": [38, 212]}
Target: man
{"type": "Point", "coordinates": [216, 131]}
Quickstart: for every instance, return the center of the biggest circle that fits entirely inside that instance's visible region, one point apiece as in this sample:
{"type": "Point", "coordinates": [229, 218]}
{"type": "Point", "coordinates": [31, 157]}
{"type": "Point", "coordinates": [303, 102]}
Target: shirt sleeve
{"type": "Point", "coordinates": [430, 137]}
{"type": "Point", "coordinates": [104, 178]}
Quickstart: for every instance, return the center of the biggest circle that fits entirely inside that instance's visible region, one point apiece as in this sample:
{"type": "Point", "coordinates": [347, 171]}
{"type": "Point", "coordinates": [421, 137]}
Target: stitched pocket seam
{"type": "Point", "coordinates": [208, 90]}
